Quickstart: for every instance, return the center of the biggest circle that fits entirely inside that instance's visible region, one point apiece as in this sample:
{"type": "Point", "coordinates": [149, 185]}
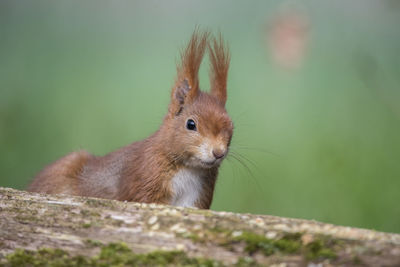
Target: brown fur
{"type": "Point", "coordinates": [143, 171]}
{"type": "Point", "coordinates": [219, 59]}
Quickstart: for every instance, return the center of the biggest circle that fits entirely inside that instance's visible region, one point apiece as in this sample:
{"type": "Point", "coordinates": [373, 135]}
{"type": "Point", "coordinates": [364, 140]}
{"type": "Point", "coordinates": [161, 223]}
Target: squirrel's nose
{"type": "Point", "coordinates": [218, 153]}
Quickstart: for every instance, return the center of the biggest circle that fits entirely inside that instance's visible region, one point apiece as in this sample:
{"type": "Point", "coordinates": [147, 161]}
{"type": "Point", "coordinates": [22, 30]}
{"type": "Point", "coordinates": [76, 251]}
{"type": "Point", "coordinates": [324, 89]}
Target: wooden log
{"type": "Point", "coordinates": [64, 230]}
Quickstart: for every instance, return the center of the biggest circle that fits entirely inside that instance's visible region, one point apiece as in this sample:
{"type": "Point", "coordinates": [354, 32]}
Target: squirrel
{"type": "Point", "coordinates": [178, 164]}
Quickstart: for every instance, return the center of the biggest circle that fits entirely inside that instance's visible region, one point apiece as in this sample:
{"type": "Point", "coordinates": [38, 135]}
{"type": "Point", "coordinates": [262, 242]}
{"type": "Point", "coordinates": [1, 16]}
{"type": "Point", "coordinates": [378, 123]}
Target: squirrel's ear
{"type": "Point", "coordinates": [219, 65]}
{"type": "Point", "coordinates": [186, 88]}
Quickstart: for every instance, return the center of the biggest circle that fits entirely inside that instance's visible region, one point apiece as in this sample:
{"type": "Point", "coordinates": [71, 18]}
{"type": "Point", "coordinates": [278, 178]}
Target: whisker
{"type": "Point", "coordinates": [232, 168]}
{"type": "Point", "coordinates": [237, 154]}
{"type": "Point", "coordinates": [250, 161]}
{"type": "Point", "coordinates": [243, 163]}
{"type": "Point", "coordinates": [249, 171]}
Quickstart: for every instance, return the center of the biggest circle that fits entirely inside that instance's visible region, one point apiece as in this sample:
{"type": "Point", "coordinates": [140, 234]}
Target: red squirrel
{"type": "Point", "coordinates": [178, 164]}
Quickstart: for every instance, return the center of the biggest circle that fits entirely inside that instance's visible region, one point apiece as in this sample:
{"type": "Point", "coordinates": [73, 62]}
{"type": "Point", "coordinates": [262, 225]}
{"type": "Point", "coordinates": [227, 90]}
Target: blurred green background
{"type": "Point", "coordinates": [314, 92]}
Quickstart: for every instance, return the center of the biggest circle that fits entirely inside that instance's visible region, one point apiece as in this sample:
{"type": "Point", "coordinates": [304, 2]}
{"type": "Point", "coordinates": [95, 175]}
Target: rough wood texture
{"type": "Point", "coordinates": [73, 224]}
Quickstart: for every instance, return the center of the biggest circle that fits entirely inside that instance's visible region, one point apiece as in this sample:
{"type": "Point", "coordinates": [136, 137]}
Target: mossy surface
{"type": "Point", "coordinates": [288, 244]}
{"type": "Point", "coordinates": [81, 226]}
{"type": "Point", "coordinates": [99, 203]}
{"type": "Point", "coordinates": [318, 249]}
{"type": "Point", "coordinates": [93, 243]}
{"type": "Point", "coordinates": [113, 254]}
{"type": "Point", "coordinates": [86, 225]}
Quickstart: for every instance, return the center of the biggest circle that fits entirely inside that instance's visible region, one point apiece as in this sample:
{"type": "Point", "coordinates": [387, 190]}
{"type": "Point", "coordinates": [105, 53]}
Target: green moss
{"type": "Point", "coordinates": [193, 237]}
{"type": "Point", "coordinates": [99, 203]}
{"type": "Point", "coordinates": [44, 257]}
{"type": "Point", "coordinates": [85, 212]}
{"type": "Point", "coordinates": [256, 243]}
{"type": "Point", "coordinates": [318, 249]}
{"type": "Point", "coordinates": [246, 262]}
{"type": "Point", "coordinates": [220, 230]}
{"type": "Point", "coordinates": [86, 225]}
{"type": "Point", "coordinates": [93, 243]}
{"type": "Point", "coordinates": [287, 244]}
{"type": "Point", "coordinates": [114, 254]}
{"type": "Point", "coordinates": [357, 260]}
{"type": "Point", "coordinates": [26, 218]}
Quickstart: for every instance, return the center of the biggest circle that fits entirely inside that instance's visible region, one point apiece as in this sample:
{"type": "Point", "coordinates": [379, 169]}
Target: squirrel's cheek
{"type": "Point", "coordinates": [205, 151]}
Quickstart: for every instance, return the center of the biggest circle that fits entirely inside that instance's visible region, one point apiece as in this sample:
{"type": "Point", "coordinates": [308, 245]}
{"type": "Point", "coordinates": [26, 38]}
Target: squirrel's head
{"type": "Point", "coordinates": [199, 127]}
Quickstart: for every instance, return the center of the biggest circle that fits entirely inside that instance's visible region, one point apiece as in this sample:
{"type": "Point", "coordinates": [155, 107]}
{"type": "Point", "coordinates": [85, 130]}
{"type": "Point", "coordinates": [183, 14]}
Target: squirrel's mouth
{"type": "Point", "coordinates": [209, 163]}
{"type": "Point", "coordinates": [203, 163]}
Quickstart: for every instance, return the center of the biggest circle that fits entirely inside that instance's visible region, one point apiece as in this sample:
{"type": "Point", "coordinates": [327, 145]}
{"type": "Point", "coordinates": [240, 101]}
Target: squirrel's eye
{"type": "Point", "coordinates": [191, 125]}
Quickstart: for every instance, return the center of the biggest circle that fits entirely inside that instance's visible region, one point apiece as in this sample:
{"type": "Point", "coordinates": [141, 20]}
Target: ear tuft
{"type": "Point", "coordinates": [191, 58]}
{"type": "Point", "coordinates": [219, 66]}
{"type": "Point", "coordinates": [186, 87]}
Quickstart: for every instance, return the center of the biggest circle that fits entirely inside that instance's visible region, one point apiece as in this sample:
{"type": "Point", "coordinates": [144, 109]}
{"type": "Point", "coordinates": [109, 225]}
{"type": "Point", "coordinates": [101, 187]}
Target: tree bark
{"type": "Point", "coordinates": [31, 221]}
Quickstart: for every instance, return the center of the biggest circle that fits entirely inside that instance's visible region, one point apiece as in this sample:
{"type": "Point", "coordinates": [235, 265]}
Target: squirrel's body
{"type": "Point", "coordinates": [178, 164]}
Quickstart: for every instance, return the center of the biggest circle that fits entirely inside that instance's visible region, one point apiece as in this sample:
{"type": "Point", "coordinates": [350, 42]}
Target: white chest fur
{"type": "Point", "coordinates": [186, 187]}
